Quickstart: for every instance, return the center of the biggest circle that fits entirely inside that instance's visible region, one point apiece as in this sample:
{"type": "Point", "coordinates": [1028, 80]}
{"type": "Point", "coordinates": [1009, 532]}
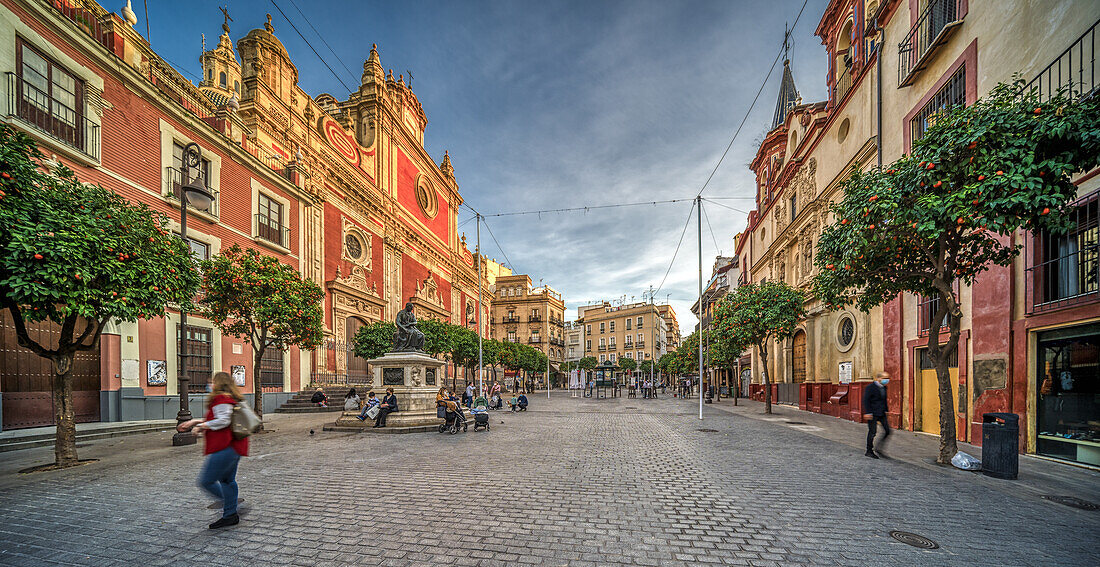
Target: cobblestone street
{"type": "Point", "coordinates": [571, 482]}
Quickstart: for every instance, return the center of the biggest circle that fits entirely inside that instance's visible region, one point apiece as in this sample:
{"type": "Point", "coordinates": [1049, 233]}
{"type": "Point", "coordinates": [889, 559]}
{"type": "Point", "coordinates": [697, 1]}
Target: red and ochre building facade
{"type": "Point", "coordinates": [342, 190]}
{"type": "Point", "coordinates": [1030, 341]}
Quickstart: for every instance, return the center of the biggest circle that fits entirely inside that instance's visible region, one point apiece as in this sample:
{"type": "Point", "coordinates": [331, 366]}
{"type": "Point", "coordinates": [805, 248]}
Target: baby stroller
{"type": "Point", "coordinates": [453, 420]}
{"type": "Point", "coordinates": [495, 402]}
{"type": "Point", "coordinates": [481, 416]}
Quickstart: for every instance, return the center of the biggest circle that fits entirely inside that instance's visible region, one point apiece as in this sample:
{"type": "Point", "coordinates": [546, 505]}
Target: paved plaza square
{"type": "Point", "coordinates": [573, 481]}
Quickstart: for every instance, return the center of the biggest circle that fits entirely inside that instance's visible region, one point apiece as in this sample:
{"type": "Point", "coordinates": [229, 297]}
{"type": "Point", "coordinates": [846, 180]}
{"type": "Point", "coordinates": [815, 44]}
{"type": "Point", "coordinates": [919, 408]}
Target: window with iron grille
{"type": "Point", "coordinates": [271, 368]}
{"type": "Point", "coordinates": [269, 220]}
{"type": "Point", "coordinates": [50, 97]}
{"type": "Point", "coordinates": [1065, 268]}
{"type": "Point", "coordinates": [926, 361]}
{"type": "Point", "coordinates": [176, 180]}
{"type": "Point", "coordinates": [200, 356]}
{"type": "Point", "coordinates": [953, 93]}
{"type": "Point", "coordinates": [926, 310]}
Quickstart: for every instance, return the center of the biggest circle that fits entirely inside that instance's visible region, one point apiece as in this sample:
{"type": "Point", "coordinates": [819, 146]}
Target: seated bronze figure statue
{"type": "Point", "coordinates": [408, 338]}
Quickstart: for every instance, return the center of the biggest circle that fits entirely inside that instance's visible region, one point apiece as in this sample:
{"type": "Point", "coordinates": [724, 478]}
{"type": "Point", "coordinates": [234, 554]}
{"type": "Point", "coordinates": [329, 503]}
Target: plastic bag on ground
{"type": "Point", "coordinates": [966, 462]}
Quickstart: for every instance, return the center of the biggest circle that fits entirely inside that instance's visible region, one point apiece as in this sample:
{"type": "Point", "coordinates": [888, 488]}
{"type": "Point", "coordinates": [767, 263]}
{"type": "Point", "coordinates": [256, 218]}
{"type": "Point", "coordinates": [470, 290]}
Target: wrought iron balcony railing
{"type": "Point", "coordinates": [1074, 70]}
{"type": "Point", "coordinates": [1064, 269]}
{"type": "Point", "coordinates": [272, 230]}
{"type": "Point", "coordinates": [933, 28]}
{"type": "Point", "coordinates": [173, 177]}
{"type": "Point", "coordinates": [39, 110]}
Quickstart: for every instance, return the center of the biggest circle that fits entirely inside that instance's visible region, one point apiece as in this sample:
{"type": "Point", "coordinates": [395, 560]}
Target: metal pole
{"type": "Point", "coordinates": [480, 309]}
{"type": "Point", "coordinates": [698, 341]}
{"type": "Point", "coordinates": [182, 380]}
{"type": "Point", "coordinates": [548, 370]}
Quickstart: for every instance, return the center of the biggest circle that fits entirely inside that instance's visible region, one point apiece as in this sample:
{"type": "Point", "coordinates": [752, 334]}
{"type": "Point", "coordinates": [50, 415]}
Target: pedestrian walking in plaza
{"type": "Point", "coordinates": [874, 411]}
{"type": "Point", "coordinates": [388, 406]}
{"type": "Point", "coordinates": [469, 398]}
{"type": "Point", "coordinates": [351, 400]}
{"type": "Point", "coordinates": [223, 452]}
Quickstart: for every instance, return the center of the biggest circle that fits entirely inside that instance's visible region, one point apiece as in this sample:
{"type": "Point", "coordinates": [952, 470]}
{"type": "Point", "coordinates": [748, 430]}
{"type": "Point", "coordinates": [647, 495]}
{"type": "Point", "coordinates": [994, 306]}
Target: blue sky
{"type": "Point", "coordinates": [558, 104]}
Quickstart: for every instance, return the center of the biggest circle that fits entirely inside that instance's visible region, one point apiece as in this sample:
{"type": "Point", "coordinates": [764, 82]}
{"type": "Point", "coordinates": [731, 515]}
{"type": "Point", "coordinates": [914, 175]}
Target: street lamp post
{"type": "Point", "coordinates": [190, 191]}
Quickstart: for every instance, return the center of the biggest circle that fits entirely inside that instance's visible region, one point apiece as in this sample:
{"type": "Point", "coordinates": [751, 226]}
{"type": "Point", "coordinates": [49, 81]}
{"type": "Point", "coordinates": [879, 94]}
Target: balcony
{"type": "Point", "coordinates": [510, 319]}
{"type": "Point", "coordinates": [1063, 270]}
{"type": "Point", "coordinates": [534, 319]}
{"type": "Point", "coordinates": [173, 176]}
{"type": "Point", "coordinates": [1075, 70]}
{"type": "Point", "coordinates": [534, 341]}
{"type": "Point", "coordinates": [603, 348]}
{"type": "Point", "coordinates": [272, 230]}
{"type": "Point", "coordinates": [37, 110]}
{"type": "Point", "coordinates": [843, 83]}
{"type": "Point", "coordinates": [557, 341]}
{"type": "Point", "coordinates": [933, 28]}
{"type": "Point", "coordinates": [639, 344]}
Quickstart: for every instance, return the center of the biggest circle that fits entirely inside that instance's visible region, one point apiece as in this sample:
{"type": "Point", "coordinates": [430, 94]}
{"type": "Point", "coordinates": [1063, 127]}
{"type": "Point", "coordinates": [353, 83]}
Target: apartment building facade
{"type": "Point", "coordinates": [1029, 344]}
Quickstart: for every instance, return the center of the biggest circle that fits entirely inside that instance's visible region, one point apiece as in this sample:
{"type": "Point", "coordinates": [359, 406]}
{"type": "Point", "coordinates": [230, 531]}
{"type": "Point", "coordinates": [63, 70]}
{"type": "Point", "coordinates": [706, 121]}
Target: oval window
{"type": "Point", "coordinates": [353, 247]}
{"type": "Point", "coordinates": [842, 132]}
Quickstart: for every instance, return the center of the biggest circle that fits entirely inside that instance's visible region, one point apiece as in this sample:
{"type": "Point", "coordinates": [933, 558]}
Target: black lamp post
{"type": "Point", "coordinates": [196, 192]}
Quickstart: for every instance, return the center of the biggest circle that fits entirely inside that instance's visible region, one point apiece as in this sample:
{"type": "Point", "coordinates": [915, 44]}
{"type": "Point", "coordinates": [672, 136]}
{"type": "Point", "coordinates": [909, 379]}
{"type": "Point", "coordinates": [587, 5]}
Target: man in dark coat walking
{"type": "Point", "coordinates": [874, 411]}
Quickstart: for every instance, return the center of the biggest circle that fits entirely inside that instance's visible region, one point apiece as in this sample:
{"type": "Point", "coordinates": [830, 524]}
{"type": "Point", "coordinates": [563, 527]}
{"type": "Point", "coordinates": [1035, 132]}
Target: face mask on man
{"type": "Point", "coordinates": [884, 381]}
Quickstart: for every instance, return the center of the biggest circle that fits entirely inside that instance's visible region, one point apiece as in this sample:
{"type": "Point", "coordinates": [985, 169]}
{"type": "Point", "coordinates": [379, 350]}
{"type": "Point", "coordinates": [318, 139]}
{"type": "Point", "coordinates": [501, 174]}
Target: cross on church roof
{"type": "Point", "coordinates": [225, 12]}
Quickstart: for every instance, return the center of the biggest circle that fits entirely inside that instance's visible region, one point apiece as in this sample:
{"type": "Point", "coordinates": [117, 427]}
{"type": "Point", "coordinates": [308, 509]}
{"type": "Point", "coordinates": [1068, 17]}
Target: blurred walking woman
{"type": "Point", "coordinates": [219, 472]}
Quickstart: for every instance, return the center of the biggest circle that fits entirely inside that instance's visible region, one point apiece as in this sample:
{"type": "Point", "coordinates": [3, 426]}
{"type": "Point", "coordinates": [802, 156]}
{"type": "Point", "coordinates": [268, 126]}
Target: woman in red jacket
{"type": "Point", "coordinates": [223, 452]}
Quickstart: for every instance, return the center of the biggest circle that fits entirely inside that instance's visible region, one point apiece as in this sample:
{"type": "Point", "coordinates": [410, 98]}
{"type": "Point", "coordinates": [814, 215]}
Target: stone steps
{"type": "Point", "coordinates": [300, 404]}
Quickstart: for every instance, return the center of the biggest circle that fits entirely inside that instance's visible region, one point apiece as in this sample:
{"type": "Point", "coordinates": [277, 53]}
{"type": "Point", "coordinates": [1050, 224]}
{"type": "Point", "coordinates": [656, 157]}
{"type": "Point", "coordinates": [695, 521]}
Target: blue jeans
{"type": "Point", "coordinates": [219, 478]}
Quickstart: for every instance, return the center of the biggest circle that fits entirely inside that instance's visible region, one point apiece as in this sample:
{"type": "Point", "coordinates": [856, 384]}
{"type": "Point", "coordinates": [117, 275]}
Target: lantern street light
{"type": "Point", "coordinates": [191, 191]}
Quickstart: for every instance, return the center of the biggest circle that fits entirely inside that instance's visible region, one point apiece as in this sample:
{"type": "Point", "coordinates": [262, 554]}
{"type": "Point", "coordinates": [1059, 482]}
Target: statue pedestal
{"type": "Point", "coordinates": [415, 379]}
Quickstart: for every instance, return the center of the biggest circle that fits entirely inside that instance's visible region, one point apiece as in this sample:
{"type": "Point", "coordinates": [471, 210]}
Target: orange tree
{"type": "Point", "coordinates": [78, 255]}
{"type": "Point", "coordinates": [947, 212]}
{"type": "Point", "coordinates": [374, 339]}
{"type": "Point", "coordinates": [757, 314]}
{"type": "Point", "coordinates": [263, 301]}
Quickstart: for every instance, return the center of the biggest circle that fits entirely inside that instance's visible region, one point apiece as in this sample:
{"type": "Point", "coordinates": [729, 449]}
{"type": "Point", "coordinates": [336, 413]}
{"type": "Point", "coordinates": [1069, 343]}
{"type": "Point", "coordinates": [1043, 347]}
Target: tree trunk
{"type": "Point", "coordinates": [767, 380]}
{"type": "Point", "coordinates": [257, 390]}
{"type": "Point", "coordinates": [736, 381]}
{"type": "Point", "coordinates": [940, 356]}
{"type": "Point", "coordinates": [64, 412]}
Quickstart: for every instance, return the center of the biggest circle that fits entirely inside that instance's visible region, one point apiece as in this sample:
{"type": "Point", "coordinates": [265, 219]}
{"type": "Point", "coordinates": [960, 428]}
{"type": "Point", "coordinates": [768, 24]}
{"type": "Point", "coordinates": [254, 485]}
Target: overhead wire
{"type": "Point", "coordinates": [499, 247]}
{"type": "Point", "coordinates": [754, 99]}
{"type": "Point", "coordinates": [333, 51]}
{"type": "Point", "coordinates": [310, 45]}
{"type": "Point", "coordinates": [735, 209]}
{"type": "Point", "coordinates": [717, 249]}
{"type": "Point", "coordinates": [677, 251]}
{"type": "Point", "coordinates": [585, 208]}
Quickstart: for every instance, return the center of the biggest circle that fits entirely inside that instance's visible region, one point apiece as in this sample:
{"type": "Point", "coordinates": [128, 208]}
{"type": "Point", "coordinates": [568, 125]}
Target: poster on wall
{"type": "Point", "coordinates": [845, 372]}
{"type": "Point", "coordinates": [237, 371]}
{"type": "Point", "coordinates": [157, 373]}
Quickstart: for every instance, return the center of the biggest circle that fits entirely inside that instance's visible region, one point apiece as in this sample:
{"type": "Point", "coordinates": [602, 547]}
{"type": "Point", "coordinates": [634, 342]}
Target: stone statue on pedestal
{"type": "Point", "coordinates": [408, 337]}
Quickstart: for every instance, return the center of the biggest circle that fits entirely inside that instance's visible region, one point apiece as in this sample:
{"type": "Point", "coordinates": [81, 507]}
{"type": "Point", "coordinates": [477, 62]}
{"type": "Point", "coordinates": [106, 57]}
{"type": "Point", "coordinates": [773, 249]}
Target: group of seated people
{"type": "Point", "coordinates": [385, 406]}
{"type": "Point", "coordinates": [446, 399]}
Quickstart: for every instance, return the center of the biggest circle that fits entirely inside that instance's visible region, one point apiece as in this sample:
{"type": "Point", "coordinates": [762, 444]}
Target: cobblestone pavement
{"type": "Point", "coordinates": [571, 482]}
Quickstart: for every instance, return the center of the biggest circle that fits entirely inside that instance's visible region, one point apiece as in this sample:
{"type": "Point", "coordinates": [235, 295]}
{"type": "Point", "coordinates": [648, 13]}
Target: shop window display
{"type": "Point", "coordinates": [1069, 394]}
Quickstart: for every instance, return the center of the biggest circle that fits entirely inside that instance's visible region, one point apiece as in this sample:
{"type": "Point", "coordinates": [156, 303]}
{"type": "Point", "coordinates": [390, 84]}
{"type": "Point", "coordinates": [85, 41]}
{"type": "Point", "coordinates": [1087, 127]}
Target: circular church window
{"type": "Point", "coordinates": [353, 246]}
{"type": "Point", "coordinates": [846, 332]}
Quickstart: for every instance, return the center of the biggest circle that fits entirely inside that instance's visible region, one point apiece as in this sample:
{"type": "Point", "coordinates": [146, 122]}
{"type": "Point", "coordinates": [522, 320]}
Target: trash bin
{"type": "Point", "coordinates": [1001, 445]}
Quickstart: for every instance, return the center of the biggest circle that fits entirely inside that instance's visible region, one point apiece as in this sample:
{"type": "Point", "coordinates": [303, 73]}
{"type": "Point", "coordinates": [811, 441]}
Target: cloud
{"type": "Point", "coordinates": [562, 104]}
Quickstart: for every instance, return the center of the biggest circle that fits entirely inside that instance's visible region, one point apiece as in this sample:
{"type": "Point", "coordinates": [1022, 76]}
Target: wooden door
{"type": "Point", "coordinates": [798, 375]}
{"type": "Point", "coordinates": [26, 379]}
{"type": "Point", "coordinates": [357, 366]}
{"type": "Point", "coordinates": [930, 395]}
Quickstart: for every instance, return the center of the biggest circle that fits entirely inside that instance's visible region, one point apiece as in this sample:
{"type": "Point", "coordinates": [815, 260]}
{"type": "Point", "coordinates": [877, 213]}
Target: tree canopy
{"type": "Point", "coordinates": [946, 213]}
{"type": "Point", "coordinates": [263, 301]}
{"type": "Point", "coordinates": [756, 314]}
{"type": "Point", "coordinates": [79, 255]}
